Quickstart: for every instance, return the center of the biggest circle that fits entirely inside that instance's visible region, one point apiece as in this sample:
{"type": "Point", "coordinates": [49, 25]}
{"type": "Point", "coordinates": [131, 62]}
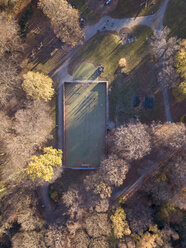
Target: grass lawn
{"type": "Point", "coordinates": [175, 18]}
{"type": "Point", "coordinates": [85, 120]}
{"type": "Point", "coordinates": [84, 71]}
{"type": "Point", "coordinates": [105, 48]}
{"type": "Point", "coordinates": [141, 81]}
{"type": "Point", "coordinates": [128, 8]}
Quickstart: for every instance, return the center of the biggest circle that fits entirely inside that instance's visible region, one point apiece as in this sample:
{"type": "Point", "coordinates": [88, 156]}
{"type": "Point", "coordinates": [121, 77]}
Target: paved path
{"type": "Point", "coordinates": [107, 23]}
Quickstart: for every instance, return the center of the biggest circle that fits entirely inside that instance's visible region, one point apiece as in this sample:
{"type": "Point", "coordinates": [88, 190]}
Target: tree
{"type": "Point", "coordinates": [28, 240]}
{"type": "Point", "coordinates": [34, 123]}
{"type": "Point", "coordinates": [10, 80]}
{"type": "Point", "coordinates": [97, 225]}
{"type": "Point", "coordinates": [113, 170]}
{"type": "Point", "coordinates": [42, 167]}
{"type": "Point", "coordinates": [130, 141]}
{"type": "Point", "coordinates": [119, 223]}
{"type": "Point", "coordinates": [122, 65]}
{"type": "Point", "coordinates": [180, 91]}
{"type": "Point", "coordinates": [168, 135]}
{"type": "Point", "coordinates": [100, 242]}
{"type": "Point", "coordinates": [38, 86]}
{"type": "Point", "coordinates": [72, 199]}
{"type": "Point", "coordinates": [180, 63]}
{"type": "Point", "coordinates": [9, 38]}
{"type": "Point", "coordinates": [151, 239]}
{"type": "Point", "coordinates": [95, 183]}
{"type": "Point", "coordinates": [64, 19]}
{"type": "Point", "coordinates": [112, 173]}
{"type": "Point", "coordinates": [139, 215]}
{"type": "Point", "coordinates": [180, 60]}
{"type": "Point", "coordinates": [81, 240]}
{"type": "Point", "coordinates": [164, 49]}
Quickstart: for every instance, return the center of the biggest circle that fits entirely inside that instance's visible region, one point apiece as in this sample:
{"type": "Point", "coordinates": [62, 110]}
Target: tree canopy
{"type": "Point", "coordinates": [42, 167]}
{"type": "Point", "coordinates": [9, 38]}
{"type": "Point", "coordinates": [38, 86]}
{"type": "Point", "coordinates": [180, 63]}
{"type": "Point", "coordinates": [163, 50]}
{"type": "Point", "coordinates": [64, 20]}
{"type": "Point", "coordinates": [119, 223]}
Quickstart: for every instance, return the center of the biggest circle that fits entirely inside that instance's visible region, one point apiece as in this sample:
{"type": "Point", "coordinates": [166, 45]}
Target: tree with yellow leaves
{"type": "Point", "coordinates": [180, 63]}
{"type": "Point", "coordinates": [38, 86]}
{"type": "Point", "coordinates": [119, 223]}
{"type": "Point", "coordinates": [42, 167]}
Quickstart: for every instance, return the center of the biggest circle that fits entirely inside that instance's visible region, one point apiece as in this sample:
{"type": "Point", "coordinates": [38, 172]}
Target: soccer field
{"type": "Point", "coordinates": [85, 117]}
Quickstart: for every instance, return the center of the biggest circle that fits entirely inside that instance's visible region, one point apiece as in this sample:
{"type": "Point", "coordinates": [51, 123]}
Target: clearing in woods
{"type": "Point", "coordinates": [85, 117]}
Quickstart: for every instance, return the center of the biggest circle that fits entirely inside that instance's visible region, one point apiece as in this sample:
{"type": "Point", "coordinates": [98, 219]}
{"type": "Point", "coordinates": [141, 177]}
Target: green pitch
{"type": "Point", "coordinates": [85, 123]}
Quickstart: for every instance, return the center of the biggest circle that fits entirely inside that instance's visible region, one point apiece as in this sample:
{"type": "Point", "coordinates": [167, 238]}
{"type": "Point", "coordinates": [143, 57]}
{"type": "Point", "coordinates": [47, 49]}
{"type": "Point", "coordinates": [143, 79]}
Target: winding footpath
{"type": "Point", "coordinates": [61, 75]}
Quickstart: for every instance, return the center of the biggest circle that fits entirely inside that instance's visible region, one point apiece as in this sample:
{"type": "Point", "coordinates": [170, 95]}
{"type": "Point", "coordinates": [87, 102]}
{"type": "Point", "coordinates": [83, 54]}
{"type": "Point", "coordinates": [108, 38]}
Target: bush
{"type": "Point", "coordinates": [122, 62]}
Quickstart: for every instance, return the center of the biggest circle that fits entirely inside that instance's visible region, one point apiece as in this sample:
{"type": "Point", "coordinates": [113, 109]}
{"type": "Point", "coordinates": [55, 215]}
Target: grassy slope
{"type": "Point", "coordinates": [128, 8]}
{"type": "Point", "coordinates": [106, 49]}
{"type": "Point", "coordinates": [175, 18]}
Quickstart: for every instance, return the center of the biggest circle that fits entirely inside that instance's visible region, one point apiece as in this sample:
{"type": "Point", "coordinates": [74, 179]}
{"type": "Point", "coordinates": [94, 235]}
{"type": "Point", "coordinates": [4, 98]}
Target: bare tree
{"type": "Point", "coordinates": [164, 49]}
{"type": "Point", "coordinates": [97, 225]}
{"type": "Point", "coordinates": [73, 200]}
{"type": "Point", "coordinates": [139, 215]}
{"type": "Point", "coordinates": [130, 141]}
{"type": "Point", "coordinates": [100, 242]}
{"type": "Point", "coordinates": [169, 135]}
{"type": "Point", "coordinates": [95, 183]}
{"type": "Point", "coordinates": [114, 170]}
{"type": "Point", "coordinates": [10, 80]}
{"type": "Point", "coordinates": [34, 123]}
{"type": "Point", "coordinates": [81, 239]}
{"type": "Point", "coordinates": [64, 19]}
{"type": "Point", "coordinates": [9, 38]}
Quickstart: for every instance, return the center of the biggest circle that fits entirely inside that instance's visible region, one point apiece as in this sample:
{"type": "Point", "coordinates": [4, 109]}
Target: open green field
{"type": "Point", "coordinates": [128, 8]}
{"type": "Point", "coordinates": [106, 48]}
{"type": "Point", "coordinates": [85, 123]}
{"type": "Point", "coordinates": [175, 18]}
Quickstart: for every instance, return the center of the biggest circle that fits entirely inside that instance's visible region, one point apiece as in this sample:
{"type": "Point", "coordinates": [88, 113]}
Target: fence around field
{"type": "Point", "coordinates": [67, 106]}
